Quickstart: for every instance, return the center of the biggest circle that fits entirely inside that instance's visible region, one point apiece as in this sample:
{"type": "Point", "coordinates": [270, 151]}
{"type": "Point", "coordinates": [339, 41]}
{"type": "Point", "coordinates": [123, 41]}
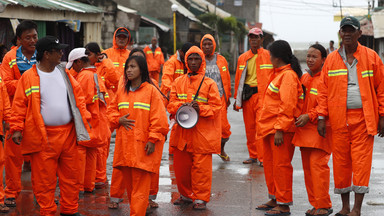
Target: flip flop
{"type": "Point", "coordinates": [278, 213]}
{"type": "Point", "coordinates": [329, 211]}
{"type": "Point", "coordinates": [250, 161]}
{"type": "Point", "coordinates": [113, 205]}
{"type": "Point", "coordinates": [181, 201]}
{"type": "Point", "coordinates": [308, 212]}
{"type": "Point", "coordinates": [265, 207]}
{"type": "Point", "coordinates": [338, 214]}
{"type": "Point", "coordinates": [12, 202]}
{"type": "Point", "coordinates": [200, 206]}
{"type": "Point", "coordinates": [224, 158]}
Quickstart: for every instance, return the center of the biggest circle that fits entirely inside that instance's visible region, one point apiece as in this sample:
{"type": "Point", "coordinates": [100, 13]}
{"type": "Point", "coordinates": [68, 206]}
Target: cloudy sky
{"type": "Point", "coordinates": [304, 20]}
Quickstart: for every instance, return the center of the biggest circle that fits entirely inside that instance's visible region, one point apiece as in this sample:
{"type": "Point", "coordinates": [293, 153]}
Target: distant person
{"type": "Point", "coordinates": [253, 73]}
{"type": "Point", "coordinates": [3, 51]}
{"type": "Point", "coordinates": [155, 59]}
{"type": "Point", "coordinates": [351, 97]}
{"type": "Point", "coordinates": [331, 48]}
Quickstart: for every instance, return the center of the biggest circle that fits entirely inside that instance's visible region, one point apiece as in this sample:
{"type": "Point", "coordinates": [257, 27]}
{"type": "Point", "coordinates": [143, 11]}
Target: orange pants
{"type": "Point", "coordinates": [278, 169]}
{"type": "Point", "coordinates": [2, 161]}
{"type": "Point", "coordinates": [316, 176]}
{"type": "Point", "coordinates": [352, 153]}
{"type": "Point", "coordinates": [57, 159]}
{"type": "Point", "coordinates": [193, 174]}
{"type": "Point", "coordinates": [154, 186]}
{"type": "Point", "coordinates": [225, 126]}
{"type": "Point", "coordinates": [137, 182]}
{"type": "Point", "coordinates": [13, 167]}
{"type": "Point", "coordinates": [87, 167]}
{"type": "Point", "coordinates": [155, 75]}
{"type": "Point", "coordinates": [101, 162]}
{"type": "Point", "coordinates": [249, 116]}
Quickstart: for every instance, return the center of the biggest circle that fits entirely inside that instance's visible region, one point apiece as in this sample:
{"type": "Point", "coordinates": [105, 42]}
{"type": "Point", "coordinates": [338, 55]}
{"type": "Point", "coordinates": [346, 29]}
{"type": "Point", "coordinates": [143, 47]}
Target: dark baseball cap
{"type": "Point", "coordinates": [122, 32]}
{"type": "Point", "coordinates": [48, 43]}
{"type": "Point", "coordinates": [351, 21]}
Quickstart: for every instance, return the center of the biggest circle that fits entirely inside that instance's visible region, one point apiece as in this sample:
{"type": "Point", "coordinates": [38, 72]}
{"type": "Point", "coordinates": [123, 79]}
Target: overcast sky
{"type": "Point", "coordinates": [304, 20]}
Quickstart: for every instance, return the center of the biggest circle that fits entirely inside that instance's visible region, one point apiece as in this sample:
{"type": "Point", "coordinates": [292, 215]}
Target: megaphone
{"type": "Point", "coordinates": [187, 117]}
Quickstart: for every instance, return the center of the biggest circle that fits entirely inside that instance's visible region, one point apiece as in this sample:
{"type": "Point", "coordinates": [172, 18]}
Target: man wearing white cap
{"type": "Point", "coordinates": [253, 72]}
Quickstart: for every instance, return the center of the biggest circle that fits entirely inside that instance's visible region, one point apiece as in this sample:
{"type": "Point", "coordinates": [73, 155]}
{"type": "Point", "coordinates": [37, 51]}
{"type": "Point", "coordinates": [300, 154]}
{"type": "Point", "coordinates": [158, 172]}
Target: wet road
{"type": "Point", "coordinates": [236, 189]}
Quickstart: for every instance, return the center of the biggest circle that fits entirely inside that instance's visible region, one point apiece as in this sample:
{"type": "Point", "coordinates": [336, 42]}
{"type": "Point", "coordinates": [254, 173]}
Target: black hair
{"type": "Point", "coordinates": [39, 56]}
{"type": "Point", "coordinates": [93, 47]}
{"type": "Point", "coordinates": [321, 49]}
{"type": "Point", "coordinates": [333, 42]}
{"type": "Point", "coordinates": [282, 50]}
{"type": "Point", "coordinates": [24, 26]}
{"type": "Point", "coordinates": [186, 47]}
{"type": "Point", "coordinates": [84, 59]}
{"type": "Point", "coordinates": [14, 41]}
{"type": "Point", "coordinates": [143, 71]}
{"type": "Point", "coordinates": [3, 51]}
{"type": "Point", "coordinates": [137, 50]}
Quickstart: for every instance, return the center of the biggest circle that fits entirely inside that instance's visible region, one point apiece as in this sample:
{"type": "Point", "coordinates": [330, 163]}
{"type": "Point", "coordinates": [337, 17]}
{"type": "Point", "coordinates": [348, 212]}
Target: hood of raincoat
{"type": "Point", "coordinates": [208, 36]}
{"type": "Point", "coordinates": [114, 38]}
{"type": "Point", "coordinates": [192, 50]}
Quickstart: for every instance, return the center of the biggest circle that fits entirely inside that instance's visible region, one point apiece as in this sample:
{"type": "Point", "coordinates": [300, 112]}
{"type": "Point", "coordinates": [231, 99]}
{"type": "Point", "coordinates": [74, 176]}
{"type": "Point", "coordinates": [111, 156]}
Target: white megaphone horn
{"type": "Point", "coordinates": [186, 116]}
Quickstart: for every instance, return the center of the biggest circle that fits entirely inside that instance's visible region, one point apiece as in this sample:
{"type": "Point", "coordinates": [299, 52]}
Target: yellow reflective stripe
{"type": "Point", "coordinates": [124, 64]}
{"type": "Point", "coordinates": [149, 52]}
{"type": "Point", "coordinates": [179, 71]}
{"type": "Point", "coordinates": [313, 91]}
{"type": "Point", "coordinates": [103, 78]}
{"type": "Point", "coordinates": [241, 67]}
{"type": "Point", "coordinates": [106, 95]}
{"type": "Point", "coordinates": [1, 79]}
{"type": "Point", "coordinates": [116, 64]}
{"type": "Point", "coordinates": [200, 99]}
{"type": "Point", "coordinates": [31, 90]}
{"type": "Point", "coordinates": [301, 96]}
{"type": "Point", "coordinates": [266, 66]}
{"type": "Point", "coordinates": [95, 97]}
{"type": "Point", "coordinates": [158, 52]}
{"type": "Point", "coordinates": [12, 63]}
{"type": "Point", "coordinates": [182, 96]}
{"type": "Point", "coordinates": [273, 88]}
{"type": "Point", "coordinates": [224, 68]}
{"type": "Point", "coordinates": [122, 105]}
{"type": "Point", "coordinates": [139, 105]}
{"type": "Point", "coordinates": [367, 73]}
{"type": "Point", "coordinates": [339, 72]}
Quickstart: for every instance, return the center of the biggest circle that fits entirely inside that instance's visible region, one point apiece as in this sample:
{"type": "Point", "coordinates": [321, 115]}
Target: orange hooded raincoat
{"type": "Point", "coordinates": [172, 69]}
{"type": "Point", "coordinates": [154, 61]}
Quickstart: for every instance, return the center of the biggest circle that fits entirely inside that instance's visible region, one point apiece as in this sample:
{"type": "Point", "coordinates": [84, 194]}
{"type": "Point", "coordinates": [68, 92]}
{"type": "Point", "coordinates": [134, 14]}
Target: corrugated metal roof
{"type": "Point", "coordinates": [67, 5]}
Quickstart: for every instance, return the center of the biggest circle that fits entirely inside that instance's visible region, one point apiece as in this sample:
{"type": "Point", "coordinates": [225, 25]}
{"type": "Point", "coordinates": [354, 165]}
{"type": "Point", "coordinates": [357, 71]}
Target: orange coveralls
{"type": "Point", "coordinates": [117, 55]}
{"type": "Point", "coordinates": [53, 149]}
{"type": "Point", "coordinates": [252, 107]}
{"type": "Point", "coordinates": [13, 157]}
{"type": "Point", "coordinates": [315, 150]}
{"type": "Point", "coordinates": [154, 61]}
{"type": "Point", "coordinates": [145, 106]}
{"type": "Point", "coordinates": [283, 103]}
{"type": "Point", "coordinates": [97, 105]}
{"type": "Point", "coordinates": [193, 148]}
{"type": "Point", "coordinates": [5, 114]}
{"type": "Point", "coordinates": [352, 129]}
{"type": "Point", "coordinates": [222, 64]}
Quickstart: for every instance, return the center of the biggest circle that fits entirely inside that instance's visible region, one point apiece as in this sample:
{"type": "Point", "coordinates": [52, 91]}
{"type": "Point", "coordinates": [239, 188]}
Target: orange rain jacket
{"type": "Point", "coordinates": [117, 55]}
{"type": "Point", "coordinates": [108, 74]}
{"type": "Point", "coordinates": [154, 60]}
{"type": "Point", "coordinates": [10, 73]}
{"type": "Point", "coordinates": [283, 102]}
{"type": "Point", "coordinates": [145, 106]}
{"type": "Point", "coordinates": [332, 97]}
{"type": "Point", "coordinates": [205, 137]}
{"type": "Point", "coordinates": [28, 119]}
{"type": "Point", "coordinates": [308, 136]}
{"type": "Point", "coordinates": [172, 69]}
{"type": "Point", "coordinates": [264, 71]}
{"type": "Point", "coordinates": [5, 106]}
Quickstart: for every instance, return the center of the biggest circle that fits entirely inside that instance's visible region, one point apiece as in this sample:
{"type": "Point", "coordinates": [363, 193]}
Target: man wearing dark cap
{"type": "Point", "coordinates": [253, 72]}
{"type": "Point", "coordinates": [351, 95]}
{"type": "Point", "coordinates": [48, 121]}
{"type": "Point", "coordinates": [119, 53]}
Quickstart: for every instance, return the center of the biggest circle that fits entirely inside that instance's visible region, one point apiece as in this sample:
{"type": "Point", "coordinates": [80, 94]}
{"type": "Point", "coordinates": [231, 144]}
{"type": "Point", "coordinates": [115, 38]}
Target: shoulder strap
{"type": "Point", "coordinates": [197, 93]}
{"type": "Point", "coordinates": [99, 94]}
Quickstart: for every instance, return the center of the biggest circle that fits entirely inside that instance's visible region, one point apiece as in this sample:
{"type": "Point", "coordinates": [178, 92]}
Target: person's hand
{"type": "Point", "coordinates": [228, 102]}
{"type": "Point", "coordinates": [235, 108]}
{"type": "Point", "coordinates": [321, 127]}
{"type": "Point", "coordinates": [381, 127]}
{"type": "Point", "coordinates": [149, 148]}
{"type": "Point", "coordinates": [195, 106]}
{"type": "Point", "coordinates": [302, 120]}
{"type": "Point", "coordinates": [102, 56]}
{"type": "Point", "coordinates": [279, 140]}
{"type": "Point", "coordinates": [17, 137]}
{"type": "Point", "coordinates": [127, 123]}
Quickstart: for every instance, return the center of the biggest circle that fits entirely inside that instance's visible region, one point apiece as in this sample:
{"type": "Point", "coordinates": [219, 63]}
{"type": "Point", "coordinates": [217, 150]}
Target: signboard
{"type": "Point", "coordinates": [238, 3]}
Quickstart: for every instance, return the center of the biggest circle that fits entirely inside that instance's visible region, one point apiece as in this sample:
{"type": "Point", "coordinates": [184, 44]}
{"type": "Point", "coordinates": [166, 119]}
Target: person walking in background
{"type": "Point", "coordinates": [217, 69]}
{"type": "Point", "coordinates": [351, 95]}
{"type": "Point", "coordinates": [283, 103]}
{"type": "Point", "coordinates": [155, 59]}
{"type": "Point", "coordinates": [331, 48]}
{"type": "Point", "coordinates": [315, 150]}
{"type": "Point", "coordinates": [253, 73]}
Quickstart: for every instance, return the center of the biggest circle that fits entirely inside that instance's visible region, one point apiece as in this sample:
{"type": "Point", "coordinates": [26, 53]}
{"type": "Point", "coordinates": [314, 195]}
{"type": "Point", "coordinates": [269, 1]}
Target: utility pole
{"type": "Point", "coordinates": [341, 11]}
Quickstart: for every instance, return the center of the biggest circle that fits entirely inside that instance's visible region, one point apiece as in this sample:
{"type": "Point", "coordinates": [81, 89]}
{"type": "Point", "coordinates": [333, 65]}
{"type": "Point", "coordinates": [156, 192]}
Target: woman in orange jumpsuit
{"type": "Point", "coordinates": [315, 150]}
{"type": "Point", "coordinates": [283, 101]}
{"type": "Point", "coordinates": [138, 114]}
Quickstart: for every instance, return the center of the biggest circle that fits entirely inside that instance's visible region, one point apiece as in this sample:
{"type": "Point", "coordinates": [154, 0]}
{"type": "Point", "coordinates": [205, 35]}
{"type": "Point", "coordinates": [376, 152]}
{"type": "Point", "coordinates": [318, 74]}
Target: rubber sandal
{"type": "Point", "coordinates": [224, 158]}
{"type": "Point", "coordinates": [181, 201]}
{"type": "Point", "coordinates": [200, 206]}
{"type": "Point", "coordinates": [153, 204]}
{"type": "Point", "coordinates": [3, 208]}
{"type": "Point", "coordinates": [329, 211]}
{"type": "Point", "coordinates": [265, 207]}
{"type": "Point", "coordinates": [276, 213]}
{"type": "Point", "coordinates": [12, 202]}
{"type": "Point", "coordinates": [250, 161]}
{"type": "Point", "coordinates": [308, 212]}
{"type": "Point", "coordinates": [338, 214]}
{"type": "Point", "coordinates": [113, 205]}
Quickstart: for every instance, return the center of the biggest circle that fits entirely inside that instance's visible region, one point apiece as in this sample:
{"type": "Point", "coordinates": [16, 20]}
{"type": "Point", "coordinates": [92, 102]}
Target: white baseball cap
{"type": "Point", "coordinates": [75, 54]}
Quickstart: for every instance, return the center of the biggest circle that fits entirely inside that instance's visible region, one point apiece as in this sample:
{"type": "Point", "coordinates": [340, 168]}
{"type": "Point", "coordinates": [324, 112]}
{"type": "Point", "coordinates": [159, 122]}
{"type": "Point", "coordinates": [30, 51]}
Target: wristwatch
{"type": "Point", "coordinates": [321, 117]}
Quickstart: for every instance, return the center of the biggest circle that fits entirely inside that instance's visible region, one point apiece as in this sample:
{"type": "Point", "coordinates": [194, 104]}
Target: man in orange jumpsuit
{"type": "Point", "coordinates": [96, 103]}
{"type": "Point", "coordinates": [351, 95]}
{"type": "Point", "coordinates": [15, 63]}
{"type": "Point", "coordinates": [51, 139]}
{"type": "Point", "coordinates": [217, 69]}
{"type": "Point", "coordinates": [253, 73]}
{"type": "Point", "coordinates": [155, 59]}
{"type": "Point", "coordinates": [193, 148]}
{"type": "Point", "coordinates": [119, 53]}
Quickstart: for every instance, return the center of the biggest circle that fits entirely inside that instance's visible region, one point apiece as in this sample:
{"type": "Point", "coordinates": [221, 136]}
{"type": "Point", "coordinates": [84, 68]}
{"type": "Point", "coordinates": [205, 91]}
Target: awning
{"type": "Point", "coordinates": [64, 5]}
{"type": "Point", "coordinates": [204, 6]}
{"type": "Point", "coordinates": [185, 12]}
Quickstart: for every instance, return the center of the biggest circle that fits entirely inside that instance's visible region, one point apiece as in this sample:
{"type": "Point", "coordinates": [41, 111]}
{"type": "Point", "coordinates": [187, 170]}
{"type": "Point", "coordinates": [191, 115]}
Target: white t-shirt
{"type": "Point", "coordinates": [54, 105]}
